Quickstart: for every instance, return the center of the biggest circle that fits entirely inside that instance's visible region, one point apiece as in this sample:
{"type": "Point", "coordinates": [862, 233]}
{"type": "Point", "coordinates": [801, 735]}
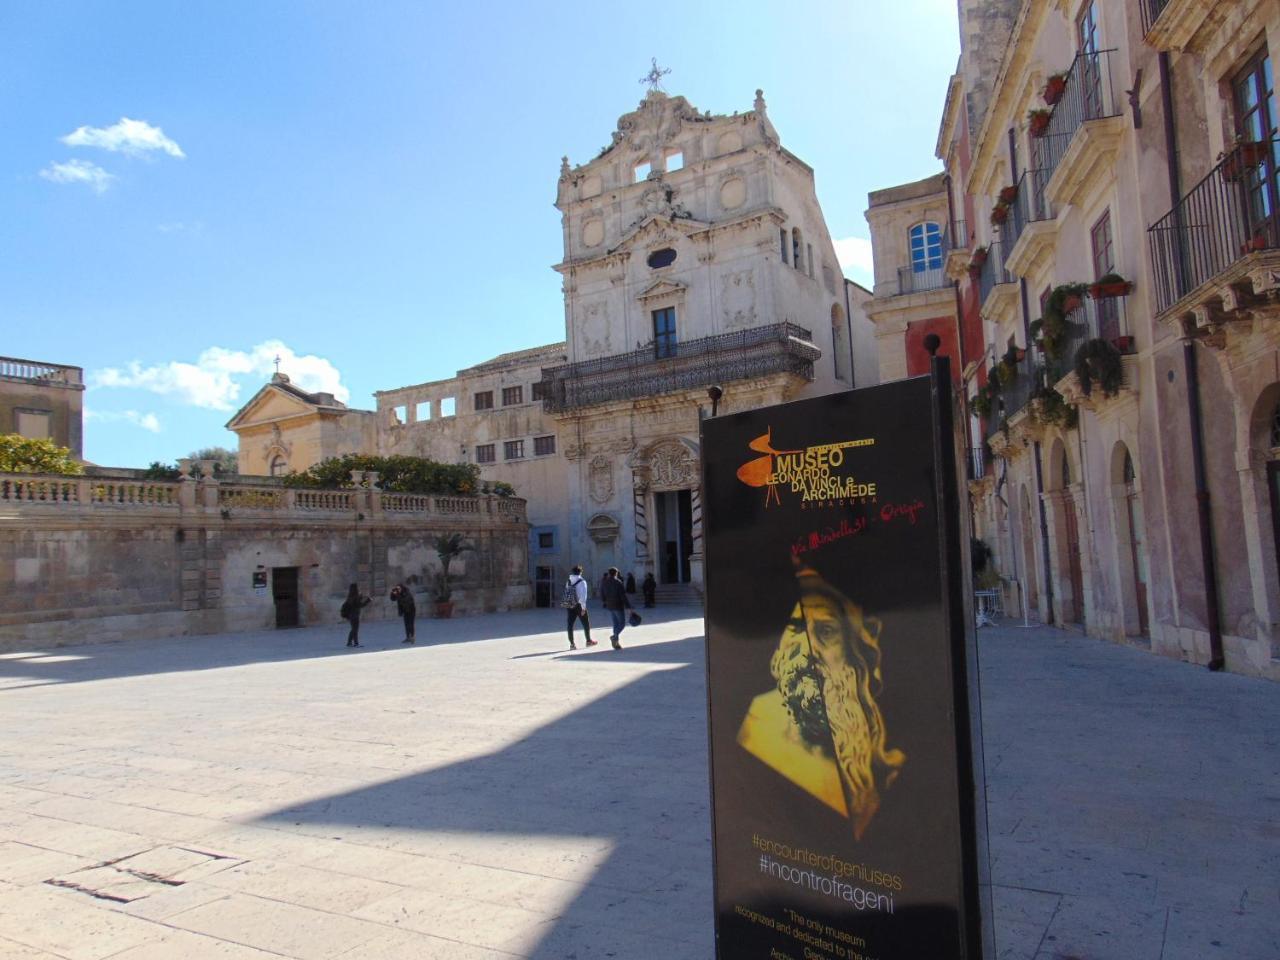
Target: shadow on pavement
{"type": "Point", "coordinates": [636, 800]}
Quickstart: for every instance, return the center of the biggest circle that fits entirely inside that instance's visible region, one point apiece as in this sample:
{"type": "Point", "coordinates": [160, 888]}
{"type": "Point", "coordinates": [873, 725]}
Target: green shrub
{"type": "Point", "coordinates": [20, 454]}
{"type": "Point", "coordinates": [399, 474]}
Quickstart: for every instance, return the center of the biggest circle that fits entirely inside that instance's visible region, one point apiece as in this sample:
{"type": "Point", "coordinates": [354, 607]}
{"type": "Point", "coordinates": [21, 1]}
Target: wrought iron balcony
{"type": "Point", "coordinates": [914, 279]}
{"type": "Point", "coordinates": [993, 271]}
{"type": "Point", "coordinates": [1030, 206]}
{"type": "Point", "coordinates": [34, 371]}
{"type": "Point", "coordinates": [695, 364]}
{"type": "Point", "coordinates": [1089, 95]}
{"type": "Point", "coordinates": [1151, 10]}
{"type": "Point", "coordinates": [1016, 395]}
{"type": "Point", "coordinates": [1104, 319]}
{"type": "Point", "coordinates": [1231, 214]}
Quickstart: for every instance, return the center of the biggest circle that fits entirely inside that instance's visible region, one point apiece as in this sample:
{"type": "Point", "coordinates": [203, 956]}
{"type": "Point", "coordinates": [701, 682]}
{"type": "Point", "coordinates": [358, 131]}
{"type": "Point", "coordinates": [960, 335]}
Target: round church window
{"type": "Point", "coordinates": [662, 258]}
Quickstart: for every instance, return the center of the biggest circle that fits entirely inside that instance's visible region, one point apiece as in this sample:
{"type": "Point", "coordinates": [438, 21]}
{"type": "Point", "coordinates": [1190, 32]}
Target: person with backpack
{"type": "Point", "coordinates": [350, 612]}
{"type": "Point", "coordinates": [575, 605]}
{"type": "Point", "coordinates": [614, 594]}
{"type": "Point", "coordinates": [407, 609]}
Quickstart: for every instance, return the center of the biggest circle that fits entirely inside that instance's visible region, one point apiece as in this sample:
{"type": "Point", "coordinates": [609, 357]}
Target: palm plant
{"type": "Point", "coordinates": [449, 546]}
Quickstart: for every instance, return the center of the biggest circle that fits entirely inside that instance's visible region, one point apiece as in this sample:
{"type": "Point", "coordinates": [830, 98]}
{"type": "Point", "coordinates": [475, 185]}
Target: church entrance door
{"type": "Point", "coordinates": [674, 535]}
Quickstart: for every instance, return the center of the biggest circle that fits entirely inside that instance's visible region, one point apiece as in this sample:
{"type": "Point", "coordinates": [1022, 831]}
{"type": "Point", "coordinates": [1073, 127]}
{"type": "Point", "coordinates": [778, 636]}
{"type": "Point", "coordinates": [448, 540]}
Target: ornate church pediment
{"type": "Point", "coordinates": [662, 226]}
{"type": "Point", "coordinates": [268, 404]}
{"type": "Point", "coordinates": [663, 289]}
{"type": "Point", "coordinates": [670, 464]}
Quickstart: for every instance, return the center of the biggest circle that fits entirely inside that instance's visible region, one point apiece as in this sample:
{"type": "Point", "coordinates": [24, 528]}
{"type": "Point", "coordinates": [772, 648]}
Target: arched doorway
{"type": "Point", "coordinates": [1136, 531]}
{"type": "Point", "coordinates": [1029, 585]}
{"type": "Point", "coordinates": [1072, 605]}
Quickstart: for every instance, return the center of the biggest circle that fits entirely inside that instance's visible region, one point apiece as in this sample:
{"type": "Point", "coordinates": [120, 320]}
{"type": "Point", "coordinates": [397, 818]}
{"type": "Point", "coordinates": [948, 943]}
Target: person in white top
{"type": "Point", "coordinates": [575, 604]}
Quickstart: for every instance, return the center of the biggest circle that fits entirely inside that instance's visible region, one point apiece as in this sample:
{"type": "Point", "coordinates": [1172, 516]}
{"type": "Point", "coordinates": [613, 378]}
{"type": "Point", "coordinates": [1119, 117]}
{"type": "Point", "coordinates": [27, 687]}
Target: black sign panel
{"type": "Point", "coordinates": [842, 772]}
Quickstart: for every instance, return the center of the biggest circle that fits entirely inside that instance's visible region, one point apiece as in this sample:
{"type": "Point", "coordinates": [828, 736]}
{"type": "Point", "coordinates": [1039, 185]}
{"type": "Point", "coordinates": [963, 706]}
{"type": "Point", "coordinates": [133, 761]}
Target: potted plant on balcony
{"type": "Point", "coordinates": [1007, 195]}
{"type": "Point", "coordinates": [1063, 301]}
{"type": "Point", "coordinates": [1255, 243]}
{"type": "Point", "coordinates": [1098, 362]}
{"type": "Point", "coordinates": [1038, 122]}
{"type": "Point", "coordinates": [999, 214]}
{"type": "Point", "coordinates": [1050, 408]}
{"type": "Point", "coordinates": [976, 261]}
{"type": "Point", "coordinates": [1244, 155]}
{"type": "Point", "coordinates": [1054, 88]}
{"type": "Point", "coordinates": [1109, 285]}
{"type": "Point", "coordinates": [1124, 344]}
{"type": "Point", "coordinates": [449, 547]}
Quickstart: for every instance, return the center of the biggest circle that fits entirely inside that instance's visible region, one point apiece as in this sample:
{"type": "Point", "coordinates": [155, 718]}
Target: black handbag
{"type": "Point", "coordinates": [634, 619]}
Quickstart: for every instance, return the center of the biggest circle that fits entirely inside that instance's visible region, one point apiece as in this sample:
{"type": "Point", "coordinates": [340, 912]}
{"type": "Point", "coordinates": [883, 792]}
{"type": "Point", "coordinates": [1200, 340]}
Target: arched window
{"type": "Point", "coordinates": [279, 466]}
{"type": "Point", "coordinates": [926, 246]}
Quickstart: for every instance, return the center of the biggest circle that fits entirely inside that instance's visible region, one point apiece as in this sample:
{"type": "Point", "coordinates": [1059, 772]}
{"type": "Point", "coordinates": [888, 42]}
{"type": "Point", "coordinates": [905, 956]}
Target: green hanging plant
{"type": "Point", "coordinates": [1098, 362]}
{"type": "Point", "coordinates": [1052, 410]}
{"type": "Point", "coordinates": [1053, 329]}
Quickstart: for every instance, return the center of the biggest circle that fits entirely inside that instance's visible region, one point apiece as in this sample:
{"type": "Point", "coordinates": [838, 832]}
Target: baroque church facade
{"type": "Point", "coordinates": [695, 255]}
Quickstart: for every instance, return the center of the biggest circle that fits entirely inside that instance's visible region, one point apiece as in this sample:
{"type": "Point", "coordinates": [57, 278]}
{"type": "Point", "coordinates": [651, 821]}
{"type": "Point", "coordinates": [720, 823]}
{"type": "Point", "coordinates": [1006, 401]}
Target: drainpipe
{"type": "Point", "coordinates": [1208, 561]}
{"type": "Point", "coordinates": [964, 394]}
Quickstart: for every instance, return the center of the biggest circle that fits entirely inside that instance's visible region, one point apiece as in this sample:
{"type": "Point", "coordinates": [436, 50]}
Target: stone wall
{"type": "Point", "coordinates": [84, 560]}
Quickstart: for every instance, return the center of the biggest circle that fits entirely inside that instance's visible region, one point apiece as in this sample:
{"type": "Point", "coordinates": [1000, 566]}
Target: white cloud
{"type": "Point", "coordinates": [78, 171]}
{"type": "Point", "coordinates": [210, 383]}
{"type": "Point", "coordinates": [135, 138]}
{"type": "Point", "coordinates": [854, 254]}
{"type": "Point", "coordinates": [147, 421]}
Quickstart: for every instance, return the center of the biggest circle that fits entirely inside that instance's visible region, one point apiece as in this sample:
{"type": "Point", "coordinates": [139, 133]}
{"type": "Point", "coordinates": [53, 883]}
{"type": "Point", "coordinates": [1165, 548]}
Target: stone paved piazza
{"type": "Point", "coordinates": [488, 794]}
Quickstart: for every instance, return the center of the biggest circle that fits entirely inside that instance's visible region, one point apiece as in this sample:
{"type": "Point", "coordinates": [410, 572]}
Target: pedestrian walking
{"type": "Point", "coordinates": [649, 588]}
{"type": "Point", "coordinates": [407, 609]}
{"type": "Point", "coordinates": [575, 605]}
{"type": "Point", "coordinates": [631, 583]}
{"type": "Point", "coordinates": [614, 593]}
{"type": "Point", "coordinates": [351, 607]}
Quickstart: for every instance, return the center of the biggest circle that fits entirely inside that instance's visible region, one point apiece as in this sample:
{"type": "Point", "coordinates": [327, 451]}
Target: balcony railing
{"type": "Point", "coordinates": [1151, 10]}
{"type": "Point", "coordinates": [993, 271]}
{"type": "Point", "coordinates": [696, 364]}
{"type": "Point", "coordinates": [1029, 206]}
{"type": "Point", "coordinates": [1090, 95]}
{"type": "Point", "coordinates": [913, 280]}
{"type": "Point", "coordinates": [955, 236]}
{"type": "Point", "coordinates": [1231, 213]}
{"type": "Point", "coordinates": [1104, 319]}
{"type": "Point", "coordinates": [12, 368]}
{"type": "Point", "coordinates": [1016, 395]}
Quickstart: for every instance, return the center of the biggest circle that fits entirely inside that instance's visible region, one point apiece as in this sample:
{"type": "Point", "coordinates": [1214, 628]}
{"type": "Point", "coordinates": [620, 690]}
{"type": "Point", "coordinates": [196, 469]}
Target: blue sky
{"type": "Point", "coordinates": [366, 188]}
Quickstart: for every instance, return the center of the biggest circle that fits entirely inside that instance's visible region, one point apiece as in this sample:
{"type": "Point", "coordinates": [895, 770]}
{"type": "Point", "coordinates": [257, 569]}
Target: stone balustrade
{"type": "Point", "coordinates": [231, 498]}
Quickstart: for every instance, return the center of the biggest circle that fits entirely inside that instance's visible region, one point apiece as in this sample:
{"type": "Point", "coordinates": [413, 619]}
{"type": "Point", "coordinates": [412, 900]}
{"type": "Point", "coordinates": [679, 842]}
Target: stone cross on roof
{"type": "Point", "coordinates": [654, 77]}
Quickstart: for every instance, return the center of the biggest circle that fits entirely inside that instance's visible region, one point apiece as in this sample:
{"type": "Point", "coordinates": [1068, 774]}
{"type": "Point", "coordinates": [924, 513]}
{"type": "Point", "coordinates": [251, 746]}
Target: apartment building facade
{"type": "Point", "coordinates": [1114, 167]}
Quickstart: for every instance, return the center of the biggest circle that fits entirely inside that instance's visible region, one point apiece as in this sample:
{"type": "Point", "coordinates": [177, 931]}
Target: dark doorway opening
{"type": "Point", "coordinates": [675, 535]}
{"type": "Point", "coordinates": [284, 589]}
{"type": "Point", "coordinates": [543, 580]}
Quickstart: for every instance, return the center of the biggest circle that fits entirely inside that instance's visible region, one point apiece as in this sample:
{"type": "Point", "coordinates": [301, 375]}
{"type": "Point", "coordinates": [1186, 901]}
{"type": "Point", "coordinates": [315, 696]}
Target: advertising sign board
{"type": "Point", "coordinates": [844, 736]}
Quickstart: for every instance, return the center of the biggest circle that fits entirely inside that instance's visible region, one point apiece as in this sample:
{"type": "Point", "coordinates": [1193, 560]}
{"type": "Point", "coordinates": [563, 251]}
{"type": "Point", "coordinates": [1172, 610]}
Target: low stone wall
{"type": "Point", "coordinates": [88, 559]}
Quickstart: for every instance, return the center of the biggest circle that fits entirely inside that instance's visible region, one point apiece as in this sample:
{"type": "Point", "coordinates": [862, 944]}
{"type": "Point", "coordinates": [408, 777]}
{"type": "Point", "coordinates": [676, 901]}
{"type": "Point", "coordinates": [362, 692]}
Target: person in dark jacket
{"type": "Point", "coordinates": [407, 609]}
{"type": "Point", "coordinates": [350, 611]}
{"type": "Point", "coordinates": [631, 583]}
{"type": "Point", "coordinates": [614, 594]}
{"type": "Point", "coordinates": [649, 588]}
